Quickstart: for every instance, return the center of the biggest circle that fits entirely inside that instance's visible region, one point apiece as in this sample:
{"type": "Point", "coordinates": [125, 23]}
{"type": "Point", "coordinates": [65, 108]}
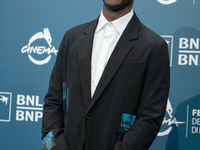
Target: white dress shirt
{"type": "Point", "coordinates": [106, 37]}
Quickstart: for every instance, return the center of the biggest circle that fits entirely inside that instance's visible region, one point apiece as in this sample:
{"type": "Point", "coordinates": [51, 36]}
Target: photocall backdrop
{"type": "Point", "coordinates": [30, 35]}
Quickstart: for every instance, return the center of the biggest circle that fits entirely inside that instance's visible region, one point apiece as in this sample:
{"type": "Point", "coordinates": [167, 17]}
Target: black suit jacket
{"type": "Point", "coordinates": [135, 83]}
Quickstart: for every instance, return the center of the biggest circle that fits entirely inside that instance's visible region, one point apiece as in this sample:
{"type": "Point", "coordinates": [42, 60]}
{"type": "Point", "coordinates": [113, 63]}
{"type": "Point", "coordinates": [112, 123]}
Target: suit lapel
{"type": "Point", "coordinates": [120, 52]}
{"type": "Point", "coordinates": [85, 51]}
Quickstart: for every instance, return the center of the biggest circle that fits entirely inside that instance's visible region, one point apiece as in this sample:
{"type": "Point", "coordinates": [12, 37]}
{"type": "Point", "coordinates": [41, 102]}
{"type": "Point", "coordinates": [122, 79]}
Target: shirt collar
{"type": "Point", "coordinates": [120, 23]}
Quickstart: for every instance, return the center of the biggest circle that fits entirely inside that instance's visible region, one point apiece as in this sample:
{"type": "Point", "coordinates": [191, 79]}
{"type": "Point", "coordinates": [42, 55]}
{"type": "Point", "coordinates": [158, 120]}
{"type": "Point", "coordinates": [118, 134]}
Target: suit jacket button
{"type": "Point", "coordinates": [88, 117]}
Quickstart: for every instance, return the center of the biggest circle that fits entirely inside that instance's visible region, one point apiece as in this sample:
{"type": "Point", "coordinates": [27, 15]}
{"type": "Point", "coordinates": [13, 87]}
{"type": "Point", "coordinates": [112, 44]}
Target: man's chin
{"type": "Point", "coordinates": [117, 5]}
{"type": "Point", "coordinates": [114, 7]}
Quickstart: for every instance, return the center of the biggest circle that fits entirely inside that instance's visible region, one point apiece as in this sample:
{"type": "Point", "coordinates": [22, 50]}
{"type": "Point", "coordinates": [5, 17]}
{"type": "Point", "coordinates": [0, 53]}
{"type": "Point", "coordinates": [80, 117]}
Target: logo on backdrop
{"type": "Point", "coordinates": [195, 129]}
{"type": "Point", "coordinates": [169, 40]}
{"type": "Point", "coordinates": [5, 106]}
{"type": "Point", "coordinates": [28, 108]}
{"type": "Point", "coordinates": [4, 99]}
{"type": "Point", "coordinates": [167, 123]}
{"type": "Point", "coordinates": [166, 2]}
{"type": "Point", "coordinates": [36, 50]}
{"type": "Point", "coordinates": [189, 52]}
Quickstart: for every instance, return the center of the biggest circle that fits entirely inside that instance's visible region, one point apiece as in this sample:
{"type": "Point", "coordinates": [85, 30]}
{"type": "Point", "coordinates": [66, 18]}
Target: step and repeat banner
{"type": "Point", "coordinates": [30, 35]}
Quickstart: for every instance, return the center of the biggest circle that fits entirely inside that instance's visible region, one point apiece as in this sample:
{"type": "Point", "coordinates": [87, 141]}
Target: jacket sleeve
{"type": "Point", "coordinates": [53, 117]}
{"type": "Point", "coordinates": [153, 102]}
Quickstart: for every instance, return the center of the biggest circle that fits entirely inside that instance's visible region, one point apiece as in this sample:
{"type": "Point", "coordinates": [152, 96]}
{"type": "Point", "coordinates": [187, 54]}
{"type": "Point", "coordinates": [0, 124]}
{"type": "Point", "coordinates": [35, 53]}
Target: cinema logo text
{"type": "Point", "coordinates": [189, 52]}
{"type": "Point", "coordinates": [167, 123]}
{"type": "Point", "coordinates": [166, 2]}
{"type": "Point", "coordinates": [28, 108]}
{"type": "Point", "coordinates": [39, 50]}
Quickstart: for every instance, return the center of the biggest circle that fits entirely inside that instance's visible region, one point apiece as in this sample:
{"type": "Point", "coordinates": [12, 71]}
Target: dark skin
{"type": "Point", "coordinates": [114, 9]}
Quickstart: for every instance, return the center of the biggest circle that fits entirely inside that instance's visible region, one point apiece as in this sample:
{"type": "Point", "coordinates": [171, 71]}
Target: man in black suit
{"type": "Point", "coordinates": [109, 86]}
